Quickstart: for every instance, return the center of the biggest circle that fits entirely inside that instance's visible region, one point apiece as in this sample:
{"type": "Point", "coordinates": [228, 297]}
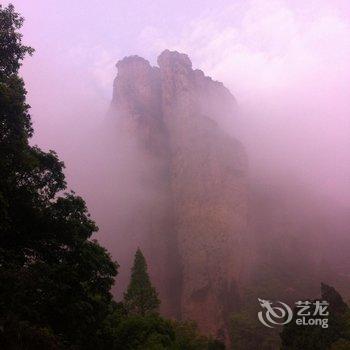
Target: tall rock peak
{"type": "Point", "coordinates": [197, 231]}
{"type": "Point", "coordinates": [173, 60]}
{"type": "Point", "coordinates": [132, 62]}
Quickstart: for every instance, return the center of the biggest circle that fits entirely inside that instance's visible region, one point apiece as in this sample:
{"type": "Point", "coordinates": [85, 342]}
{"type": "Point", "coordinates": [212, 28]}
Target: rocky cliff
{"type": "Point", "coordinates": [193, 220]}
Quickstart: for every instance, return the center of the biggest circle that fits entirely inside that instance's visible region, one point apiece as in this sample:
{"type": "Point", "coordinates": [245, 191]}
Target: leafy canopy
{"type": "Point", "coordinates": [54, 281]}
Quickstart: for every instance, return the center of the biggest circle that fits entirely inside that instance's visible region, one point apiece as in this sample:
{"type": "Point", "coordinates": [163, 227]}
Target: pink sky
{"type": "Point", "coordinates": [287, 63]}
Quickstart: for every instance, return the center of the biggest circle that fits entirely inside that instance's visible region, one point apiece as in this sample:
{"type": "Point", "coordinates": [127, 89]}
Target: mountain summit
{"type": "Point", "coordinates": [195, 217]}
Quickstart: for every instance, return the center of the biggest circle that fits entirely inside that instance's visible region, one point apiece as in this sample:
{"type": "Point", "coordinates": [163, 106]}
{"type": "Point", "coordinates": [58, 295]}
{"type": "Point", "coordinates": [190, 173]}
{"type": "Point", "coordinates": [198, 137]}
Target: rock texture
{"type": "Point", "coordinates": [194, 224]}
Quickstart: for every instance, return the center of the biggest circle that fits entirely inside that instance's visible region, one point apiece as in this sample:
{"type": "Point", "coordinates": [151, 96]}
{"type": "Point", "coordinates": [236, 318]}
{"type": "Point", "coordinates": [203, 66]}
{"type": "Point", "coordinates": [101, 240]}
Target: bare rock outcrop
{"type": "Point", "coordinates": [195, 221]}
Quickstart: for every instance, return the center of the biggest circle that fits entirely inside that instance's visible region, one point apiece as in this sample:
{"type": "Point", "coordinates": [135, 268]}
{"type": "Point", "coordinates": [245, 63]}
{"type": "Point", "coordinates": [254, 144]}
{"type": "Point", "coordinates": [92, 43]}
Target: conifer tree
{"type": "Point", "coordinates": [141, 297]}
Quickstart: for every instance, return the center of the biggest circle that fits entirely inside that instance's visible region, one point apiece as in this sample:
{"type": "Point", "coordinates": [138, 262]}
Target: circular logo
{"type": "Point", "coordinates": [273, 315]}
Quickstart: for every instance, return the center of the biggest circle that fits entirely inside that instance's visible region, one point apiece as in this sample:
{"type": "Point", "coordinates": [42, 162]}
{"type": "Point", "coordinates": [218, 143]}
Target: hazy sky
{"type": "Point", "coordinates": [287, 63]}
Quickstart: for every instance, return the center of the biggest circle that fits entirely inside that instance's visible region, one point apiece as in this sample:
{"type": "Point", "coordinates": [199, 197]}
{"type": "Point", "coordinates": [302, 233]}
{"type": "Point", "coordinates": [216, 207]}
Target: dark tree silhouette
{"type": "Point", "coordinates": [141, 297]}
{"type": "Point", "coordinates": [54, 281]}
{"type": "Point", "coordinates": [336, 336]}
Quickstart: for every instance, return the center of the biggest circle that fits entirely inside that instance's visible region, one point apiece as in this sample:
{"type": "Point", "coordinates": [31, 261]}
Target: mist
{"type": "Point", "coordinates": [286, 63]}
{"type": "Point", "coordinates": [287, 66]}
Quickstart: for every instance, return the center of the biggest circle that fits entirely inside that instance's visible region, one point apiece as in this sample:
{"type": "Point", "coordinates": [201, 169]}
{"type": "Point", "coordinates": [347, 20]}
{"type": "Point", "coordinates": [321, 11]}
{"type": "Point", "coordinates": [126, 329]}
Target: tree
{"type": "Point", "coordinates": [141, 297]}
{"type": "Point", "coordinates": [336, 336]}
{"type": "Point", "coordinates": [153, 332]}
{"type": "Point", "coordinates": [147, 332]}
{"type": "Point", "coordinates": [12, 51]}
{"type": "Point", "coordinates": [247, 333]}
{"type": "Point", "coordinates": [143, 328]}
{"type": "Point", "coordinates": [54, 281]}
{"type": "Point", "coordinates": [187, 337]}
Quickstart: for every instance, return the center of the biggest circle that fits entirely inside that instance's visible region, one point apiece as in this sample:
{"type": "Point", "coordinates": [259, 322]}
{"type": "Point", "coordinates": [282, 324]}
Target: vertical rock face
{"type": "Point", "coordinates": [147, 205]}
{"type": "Point", "coordinates": [208, 175]}
{"type": "Point", "coordinates": [197, 228]}
{"type": "Point", "coordinates": [136, 98]}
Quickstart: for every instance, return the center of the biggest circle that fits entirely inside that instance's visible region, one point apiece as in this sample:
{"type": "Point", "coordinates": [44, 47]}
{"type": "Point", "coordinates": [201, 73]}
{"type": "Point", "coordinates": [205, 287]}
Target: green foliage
{"type": "Point", "coordinates": [187, 337]}
{"type": "Point", "coordinates": [246, 331]}
{"type": "Point", "coordinates": [144, 332]}
{"type": "Point", "coordinates": [142, 328]}
{"type": "Point", "coordinates": [11, 49]}
{"type": "Point", "coordinates": [26, 336]}
{"type": "Point", "coordinates": [141, 297]}
{"type": "Point", "coordinates": [54, 282]}
{"type": "Point", "coordinates": [249, 334]}
{"type": "Point", "coordinates": [152, 332]}
{"type": "Point", "coordinates": [336, 336]}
